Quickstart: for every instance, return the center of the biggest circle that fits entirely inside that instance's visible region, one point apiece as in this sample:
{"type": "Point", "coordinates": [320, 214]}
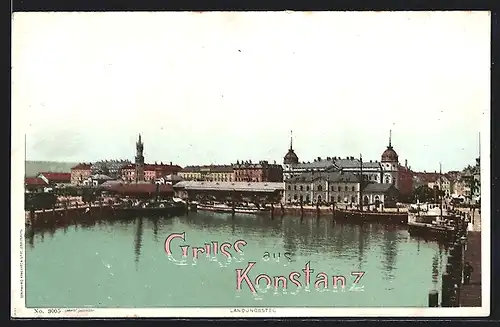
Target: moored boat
{"type": "Point", "coordinates": [163, 208]}
{"type": "Point", "coordinates": [431, 220]}
{"type": "Point", "coordinates": [224, 208]}
{"type": "Point", "coordinates": [372, 216]}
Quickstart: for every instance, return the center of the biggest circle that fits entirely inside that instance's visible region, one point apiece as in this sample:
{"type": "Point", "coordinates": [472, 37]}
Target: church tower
{"type": "Point", "coordinates": [139, 161]}
{"type": "Point", "coordinates": [390, 164]}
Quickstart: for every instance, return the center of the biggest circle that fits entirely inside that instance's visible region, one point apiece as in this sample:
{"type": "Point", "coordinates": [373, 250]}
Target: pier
{"type": "Point", "coordinates": [471, 294]}
{"type": "Point", "coordinates": [465, 247]}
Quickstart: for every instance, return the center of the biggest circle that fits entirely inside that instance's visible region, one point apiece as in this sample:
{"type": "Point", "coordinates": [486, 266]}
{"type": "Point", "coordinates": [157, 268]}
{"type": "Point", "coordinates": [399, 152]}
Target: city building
{"type": "Point", "coordinates": [34, 184]}
{"type": "Point", "coordinates": [80, 173]}
{"type": "Point", "coordinates": [324, 187]}
{"type": "Point", "coordinates": [387, 171]}
{"type": "Point", "coordinates": [111, 168]}
{"type": "Point", "coordinates": [55, 179]}
{"type": "Point", "coordinates": [342, 188]}
{"type": "Point", "coordinates": [434, 180]}
{"type": "Point", "coordinates": [217, 173]}
{"type": "Point", "coordinates": [96, 180]}
{"type": "Point", "coordinates": [140, 172]}
{"type": "Point", "coordinates": [150, 172]}
{"type": "Point", "coordinates": [380, 194]}
{"type": "Point", "coordinates": [246, 171]}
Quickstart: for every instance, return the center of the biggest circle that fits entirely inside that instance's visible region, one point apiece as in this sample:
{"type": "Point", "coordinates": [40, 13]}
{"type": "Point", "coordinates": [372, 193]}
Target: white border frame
{"type": "Point", "coordinates": [19, 310]}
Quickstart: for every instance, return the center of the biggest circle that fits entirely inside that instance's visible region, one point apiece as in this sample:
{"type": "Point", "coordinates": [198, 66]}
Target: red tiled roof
{"type": "Point", "coordinates": [34, 181]}
{"type": "Point", "coordinates": [82, 166]}
{"type": "Point", "coordinates": [139, 188]}
{"type": "Point", "coordinates": [57, 177]}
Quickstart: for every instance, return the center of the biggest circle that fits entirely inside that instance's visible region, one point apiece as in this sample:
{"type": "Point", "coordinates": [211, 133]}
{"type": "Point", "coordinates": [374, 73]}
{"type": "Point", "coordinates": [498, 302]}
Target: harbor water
{"type": "Point", "coordinates": [123, 263]}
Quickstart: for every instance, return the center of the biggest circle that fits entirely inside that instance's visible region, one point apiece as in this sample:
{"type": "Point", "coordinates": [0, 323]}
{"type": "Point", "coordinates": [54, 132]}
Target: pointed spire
{"type": "Point", "coordinates": [139, 137]}
{"type": "Point", "coordinates": [390, 136]}
{"type": "Point", "coordinates": [291, 140]}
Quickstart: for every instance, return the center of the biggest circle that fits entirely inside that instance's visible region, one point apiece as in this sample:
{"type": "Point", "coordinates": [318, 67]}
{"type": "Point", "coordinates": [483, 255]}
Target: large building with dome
{"type": "Point", "coordinates": [386, 171]}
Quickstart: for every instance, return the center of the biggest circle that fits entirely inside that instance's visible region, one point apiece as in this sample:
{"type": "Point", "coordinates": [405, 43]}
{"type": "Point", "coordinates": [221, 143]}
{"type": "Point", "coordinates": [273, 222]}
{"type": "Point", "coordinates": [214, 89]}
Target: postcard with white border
{"type": "Point", "coordinates": [250, 164]}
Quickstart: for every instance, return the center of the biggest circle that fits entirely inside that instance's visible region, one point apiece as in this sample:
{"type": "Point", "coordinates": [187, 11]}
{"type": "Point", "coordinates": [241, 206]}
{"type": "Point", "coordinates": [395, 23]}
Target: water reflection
{"type": "Point", "coordinates": [435, 270]}
{"type": "Point", "coordinates": [155, 229]}
{"type": "Point", "coordinates": [138, 239]}
{"type": "Point", "coordinates": [390, 251]}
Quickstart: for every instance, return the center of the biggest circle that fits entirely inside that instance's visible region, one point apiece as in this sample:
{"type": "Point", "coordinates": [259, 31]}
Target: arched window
{"type": "Point", "coordinates": [353, 199]}
{"type": "Point", "coordinates": [295, 187]}
{"type": "Point", "coordinates": [307, 187]}
{"type": "Point", "coordinates": [346, 188]}
{"type": "Point", "coordinates": [289, 187]}
{"type": "Point", "coordinates": [320, 188]}
{"type": "Point", "coordinates": [308, 199]}
{"type": "Point", "coordinates": [339, 199]}
{"type": "Point", "coordinates": [338, 189]}
{"type": "Point", "coordinates": [353, 188]}
{"type": "Point", "coordinates": [301, 187]}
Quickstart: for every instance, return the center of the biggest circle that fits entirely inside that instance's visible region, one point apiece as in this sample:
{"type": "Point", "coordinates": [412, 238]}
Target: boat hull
{"type": "Point", "coordinates": [371, 217]}
{"type": "Point", "coordinates": [430, 232]}
{"type": "Point", "coordinates": [230, 210]}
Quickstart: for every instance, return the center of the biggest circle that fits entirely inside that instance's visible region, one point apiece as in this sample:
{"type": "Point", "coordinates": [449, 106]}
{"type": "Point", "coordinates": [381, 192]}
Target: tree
{"type": "Point", "coordinates": [422, 194]}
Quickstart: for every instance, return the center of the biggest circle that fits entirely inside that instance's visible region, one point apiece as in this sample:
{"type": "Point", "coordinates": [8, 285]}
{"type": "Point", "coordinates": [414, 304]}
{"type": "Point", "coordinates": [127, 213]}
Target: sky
{"type": "Point", "coordinates": [213, 87]}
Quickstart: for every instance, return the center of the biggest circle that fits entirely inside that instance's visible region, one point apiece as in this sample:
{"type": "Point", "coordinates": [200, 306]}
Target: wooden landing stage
{"type": "Point", "coordinates": [470, 295]}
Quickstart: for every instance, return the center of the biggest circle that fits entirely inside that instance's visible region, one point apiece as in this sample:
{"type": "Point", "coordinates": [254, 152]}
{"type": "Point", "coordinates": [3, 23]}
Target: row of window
{"type": "Point", "coordinates": [319, 199]}
{"type": "Point", "coordinates": [320, 188]}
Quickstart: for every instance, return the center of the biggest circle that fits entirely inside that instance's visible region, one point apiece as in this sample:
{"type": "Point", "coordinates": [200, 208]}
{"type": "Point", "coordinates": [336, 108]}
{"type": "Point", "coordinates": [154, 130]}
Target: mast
{"type": "Point", "coordinates": [440, 196]}
{"type": "Point", "coordinates": [361, 183]}
{"type": "Point", "coordinates": [25, 146]}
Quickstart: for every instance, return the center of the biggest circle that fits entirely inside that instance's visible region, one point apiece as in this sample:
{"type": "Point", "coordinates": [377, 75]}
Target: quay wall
{"type": "Point", "coordinates": [60, 216]}
{"type": "Point", "coordinates": [323, 211]}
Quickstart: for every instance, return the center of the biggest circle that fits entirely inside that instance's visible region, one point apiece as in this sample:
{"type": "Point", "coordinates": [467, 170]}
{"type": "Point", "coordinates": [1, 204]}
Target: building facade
{"type": "Point", "coordinates": [151, 172]}
{"type": "Point", "coordinates": [380, 195]}
{"type": "Point", "coordinates": [323, 187]}
{"type": "Point", "coordinates": [387, 171]}
{"type": "Point", "coordinates": [434, 180]}
{"type": "Point", "coordinates": [80, 173]}
{"type": "Point", "coordinates": [215, 173]}
{"type": "Point", "coordinates": [111, 168]}
{"type": "Point", "coordinates": [246, 171]}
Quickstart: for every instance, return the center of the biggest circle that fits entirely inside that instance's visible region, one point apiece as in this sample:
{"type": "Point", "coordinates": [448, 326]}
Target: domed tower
{"type": "Point", "coordinates": [289, 160]}
{"type": "Point", "coordinates": [390, 162]}
{"type": "Point", "coordinates": [290, 157]}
